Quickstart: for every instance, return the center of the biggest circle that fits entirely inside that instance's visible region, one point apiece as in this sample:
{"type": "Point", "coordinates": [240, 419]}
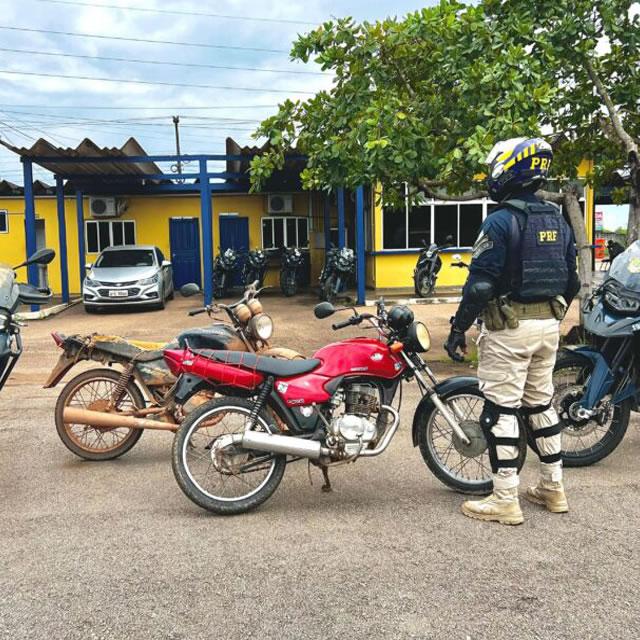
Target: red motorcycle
{"type": "Point", "coordinates": [230, 454]}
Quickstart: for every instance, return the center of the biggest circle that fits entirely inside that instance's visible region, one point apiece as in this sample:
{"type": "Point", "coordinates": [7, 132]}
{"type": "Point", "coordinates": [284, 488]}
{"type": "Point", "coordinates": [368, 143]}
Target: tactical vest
{"type": "Point", "coordinates": [537, 251]}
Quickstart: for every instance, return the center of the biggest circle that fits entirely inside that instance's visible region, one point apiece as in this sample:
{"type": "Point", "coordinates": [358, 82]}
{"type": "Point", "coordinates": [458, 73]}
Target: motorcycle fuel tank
{"type": "Point", "coordinates": [358, 357]}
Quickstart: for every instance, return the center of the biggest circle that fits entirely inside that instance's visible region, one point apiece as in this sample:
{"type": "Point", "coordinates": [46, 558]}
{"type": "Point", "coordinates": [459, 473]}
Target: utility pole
{"type": "Point", "coordinates": [176, 122]}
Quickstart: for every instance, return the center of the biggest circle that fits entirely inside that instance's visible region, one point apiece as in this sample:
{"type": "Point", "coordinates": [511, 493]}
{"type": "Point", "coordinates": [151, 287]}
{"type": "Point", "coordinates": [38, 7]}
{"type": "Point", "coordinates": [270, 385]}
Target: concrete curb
{"type": "Point", "coordinates": [43, 314]}
{"type": "Point", "coordinates": [416, 301]}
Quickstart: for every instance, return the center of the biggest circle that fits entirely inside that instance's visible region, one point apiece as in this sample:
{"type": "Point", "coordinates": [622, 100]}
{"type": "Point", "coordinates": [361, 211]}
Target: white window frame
{"type": "Point", "coordinates": [285, 238]}
{"type": "Point", "coordinates": [432, 203]}
{"type": "Point", "coordinates": [5, 213]}
{"type": "Point", "coordinates": [111, 244]}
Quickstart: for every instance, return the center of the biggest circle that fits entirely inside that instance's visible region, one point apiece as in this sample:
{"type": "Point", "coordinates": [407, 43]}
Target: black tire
{"type": "Point", "coordinates": [172, 295]}
{"type": "Point", "coordinates": [288, 283]}
{"type": "Point", "coordinates": [329, 289]}
{"type": "Point", "coordinates": [192, 490]}
{"type": "Point", "coordinates": [425, 283]}
{"type": "Point", "coordinates": [220, 288]}
{"type": "Point", "coordinates": [611, 436]}
{"type": "Point", "coordinates": [162, 304]}
{"type": "Point", "coordinates": [90, 310]}
{"type": "Point", "coordinates": [424, 416]}
{"type": "Point", "coordinates": [65, 432]}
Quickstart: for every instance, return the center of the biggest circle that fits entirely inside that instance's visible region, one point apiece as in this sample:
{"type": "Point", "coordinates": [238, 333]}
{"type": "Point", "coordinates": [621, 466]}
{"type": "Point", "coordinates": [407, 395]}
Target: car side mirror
{"type": "Point", "coordinates": [165, 263]}
{"type": "Point", "coordinates": [324, 310]}
{"type": "Point", "coordinates": [41, 256]}
{"type": "Point", "coordinates": [88, 267]}
{"type": "Point", "coordinates": [190, 289]}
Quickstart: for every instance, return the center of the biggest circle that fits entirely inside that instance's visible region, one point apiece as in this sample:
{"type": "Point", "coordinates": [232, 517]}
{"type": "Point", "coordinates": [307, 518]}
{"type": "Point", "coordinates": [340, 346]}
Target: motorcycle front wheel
{"type": "Point", "coordinates": [425, 283]}
{"type": "Point", "coordinates": [584, 442]}
{"type": "Point", "coordinates": [220, 286]}
{"type": "Point", "coordinates": [289, 283]}
{"type": "Point", "coordinates": [329, 289]}
{"type": "Point", "coordinates": [92, 390]}
{"type": "Point", "coordinates": [465, 468]}
{"type": "Point", "coordinates": [224, 478]}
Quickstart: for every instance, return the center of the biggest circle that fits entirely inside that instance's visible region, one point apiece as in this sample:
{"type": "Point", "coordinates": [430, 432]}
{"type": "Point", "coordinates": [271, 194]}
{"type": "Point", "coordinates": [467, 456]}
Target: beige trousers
{"type": "Point", "coordinates": [516, 370]}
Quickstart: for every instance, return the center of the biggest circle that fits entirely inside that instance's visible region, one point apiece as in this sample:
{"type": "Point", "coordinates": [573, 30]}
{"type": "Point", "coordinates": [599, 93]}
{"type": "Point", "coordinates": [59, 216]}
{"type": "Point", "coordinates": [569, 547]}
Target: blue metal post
{"type": "Point", "coordinates": [30, 222]}
{"type": "Point", "coordinates": [327, 222]}
{"type": "Point", "coordinates": [341, 226]}
{"type": "Point", "coordinates": [82, 254]}
{"type": "Point", "coordinates": [62, 240]}
{"type": "Point", "coordinates": [206, 214]}
{"type": "Point", "coordinates": [360, 245]}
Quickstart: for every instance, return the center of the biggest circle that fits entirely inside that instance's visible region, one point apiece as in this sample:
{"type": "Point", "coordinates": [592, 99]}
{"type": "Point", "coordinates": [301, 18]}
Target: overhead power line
{"type": "Point", "coordinates": [57, 54]}
{"type": "Point", "coordinates": [153, 82]}
{"type": "Point", "coordinates": [176, 12]}
{"type": "Point", "coordinates": [202, 45]}
{"type": "Point", "coordinates": [171, 109]}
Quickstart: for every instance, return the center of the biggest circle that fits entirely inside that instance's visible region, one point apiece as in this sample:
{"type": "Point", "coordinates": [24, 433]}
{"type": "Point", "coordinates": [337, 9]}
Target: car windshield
{"type": "Point", "coordinates": [126, 258]}
{"type": "Point", "coordinates": [626, 268]}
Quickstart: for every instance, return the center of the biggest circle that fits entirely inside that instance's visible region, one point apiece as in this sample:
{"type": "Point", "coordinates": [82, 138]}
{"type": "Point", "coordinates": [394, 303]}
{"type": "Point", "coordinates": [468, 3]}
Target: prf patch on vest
{"type": "Point", "coordinates": [483, 243]}
{"type": "Point", "coordinates": [548, 236]}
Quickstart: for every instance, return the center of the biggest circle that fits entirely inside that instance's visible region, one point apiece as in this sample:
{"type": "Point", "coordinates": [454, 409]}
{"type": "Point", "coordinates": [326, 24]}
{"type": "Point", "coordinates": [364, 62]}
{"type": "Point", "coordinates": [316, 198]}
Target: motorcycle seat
{"type": "Point", "coordinates": [129, 349]}
{"type": "Point", "coordinates": [262, 364]}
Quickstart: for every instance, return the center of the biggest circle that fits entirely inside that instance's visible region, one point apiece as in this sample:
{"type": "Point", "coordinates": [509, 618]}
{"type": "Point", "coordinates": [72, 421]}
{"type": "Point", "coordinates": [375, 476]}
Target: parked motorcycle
{"type": "Point", "coordinates": [12, 295]}
{"type": "Point", "coordinates": [597, 385]}
{"type": "Point", "coordinates": [339, 269]}
{"type": "Point", "coordinates": [425, 275]}
{"type": "Point", "coordinates": [224, 267]}
{"type": "Point", "coordinates": [230, 454]}
{"type": "Point", "coordinates": [255, 267]}
{"type": "Point", "coordinates": [291, 271]}
{"type": "Point", "coordinates": [101, 413]}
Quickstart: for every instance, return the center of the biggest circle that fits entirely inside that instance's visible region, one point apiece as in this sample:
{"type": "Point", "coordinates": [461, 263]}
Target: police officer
{"type": "Point", "coordinates": [522, 278]}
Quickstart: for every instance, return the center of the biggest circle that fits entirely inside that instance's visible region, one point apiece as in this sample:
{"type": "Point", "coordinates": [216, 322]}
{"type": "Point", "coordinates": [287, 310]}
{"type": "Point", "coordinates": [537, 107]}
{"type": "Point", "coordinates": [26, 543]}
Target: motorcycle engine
{"type": "Point", "coordinates": [354, 430]}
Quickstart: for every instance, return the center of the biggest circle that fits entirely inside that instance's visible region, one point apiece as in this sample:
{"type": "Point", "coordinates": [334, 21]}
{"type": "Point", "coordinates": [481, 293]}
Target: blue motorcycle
{"type": "Point", "coordinates": [597, 385]}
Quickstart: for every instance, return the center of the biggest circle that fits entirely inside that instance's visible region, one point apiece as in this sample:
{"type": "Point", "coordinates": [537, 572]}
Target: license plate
{"type": "Point", "coordinates": [115, 293]}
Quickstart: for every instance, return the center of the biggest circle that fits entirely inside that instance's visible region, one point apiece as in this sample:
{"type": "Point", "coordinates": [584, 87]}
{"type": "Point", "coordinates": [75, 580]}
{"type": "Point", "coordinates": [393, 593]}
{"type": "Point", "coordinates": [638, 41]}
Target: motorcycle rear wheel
{"type": "Point", "coordinates": [90, 390]}
{"type": "Point", "coordinates": [288, 284]}
{"type": "Point", "coordinates": [196, 472]}
{"type": "Point", "coordinates": [438, 444]}
{"type": "Point", "coordinates": [583, 442]}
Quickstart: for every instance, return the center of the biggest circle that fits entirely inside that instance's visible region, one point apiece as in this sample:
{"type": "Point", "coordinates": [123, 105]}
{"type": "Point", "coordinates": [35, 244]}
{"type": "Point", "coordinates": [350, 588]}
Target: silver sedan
{"type": "Point", "coordinates": [129, 275]}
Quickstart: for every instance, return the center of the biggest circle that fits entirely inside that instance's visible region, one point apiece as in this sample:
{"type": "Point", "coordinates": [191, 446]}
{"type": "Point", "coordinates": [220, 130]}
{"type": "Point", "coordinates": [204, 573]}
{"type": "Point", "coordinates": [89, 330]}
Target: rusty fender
{"type": "Point", "coordinates": [113, 420]}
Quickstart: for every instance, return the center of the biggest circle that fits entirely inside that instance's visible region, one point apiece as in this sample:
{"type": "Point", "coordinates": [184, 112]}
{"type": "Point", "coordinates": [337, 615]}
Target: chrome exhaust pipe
{"type": "Point", "coordinates": [287, 445]}
{"type": "Point", "coordinates": [104, 420]}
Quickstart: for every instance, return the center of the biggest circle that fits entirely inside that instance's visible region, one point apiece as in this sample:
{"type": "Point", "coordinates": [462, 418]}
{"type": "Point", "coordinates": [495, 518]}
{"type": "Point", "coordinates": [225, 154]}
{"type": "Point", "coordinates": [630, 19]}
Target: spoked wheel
{"type": "Point", "coordinates": [216, 474]}
{"type": "Point", "coordinates": [93, 390]}
{"type": "Point", "coordinates": [463, 467]}
{"type": "Point", "coordinates": [585, 441]}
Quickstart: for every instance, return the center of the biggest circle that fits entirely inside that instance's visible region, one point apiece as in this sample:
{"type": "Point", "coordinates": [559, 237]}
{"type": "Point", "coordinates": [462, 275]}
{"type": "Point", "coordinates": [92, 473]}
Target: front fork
{"type": "Point", "coordinates": [452, 415]}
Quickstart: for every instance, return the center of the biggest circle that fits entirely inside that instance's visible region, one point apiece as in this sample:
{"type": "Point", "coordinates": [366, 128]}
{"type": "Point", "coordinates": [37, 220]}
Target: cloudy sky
{"type": "Point", "coordinates": [66, 87]}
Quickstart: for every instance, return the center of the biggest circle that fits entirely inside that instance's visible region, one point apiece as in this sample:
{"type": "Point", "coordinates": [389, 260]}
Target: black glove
{"type": "Point", "coordinates": [455, 341]}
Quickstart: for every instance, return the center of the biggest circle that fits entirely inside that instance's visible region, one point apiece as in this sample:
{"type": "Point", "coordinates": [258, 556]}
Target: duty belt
{"type": "Point", "coordinates": [532, 310]}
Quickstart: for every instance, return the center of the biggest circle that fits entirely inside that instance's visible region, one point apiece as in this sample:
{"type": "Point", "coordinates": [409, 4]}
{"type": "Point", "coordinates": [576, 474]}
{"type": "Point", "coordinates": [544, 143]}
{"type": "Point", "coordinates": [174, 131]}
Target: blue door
{"type": "Point", "coordinates": [234, 234]}
{"type": "Point", "coordinates": [184, 236]}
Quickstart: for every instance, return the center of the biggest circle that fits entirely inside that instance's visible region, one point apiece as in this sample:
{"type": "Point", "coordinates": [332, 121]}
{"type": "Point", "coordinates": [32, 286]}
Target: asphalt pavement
{"type": "Point", "coordinates": [114, 550]}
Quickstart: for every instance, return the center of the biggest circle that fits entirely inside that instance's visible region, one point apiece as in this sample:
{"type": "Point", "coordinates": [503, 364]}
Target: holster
{"type": "Point", "coordinates": [492, 316]}
{"type": "Point", "coordinates": [559, 307]}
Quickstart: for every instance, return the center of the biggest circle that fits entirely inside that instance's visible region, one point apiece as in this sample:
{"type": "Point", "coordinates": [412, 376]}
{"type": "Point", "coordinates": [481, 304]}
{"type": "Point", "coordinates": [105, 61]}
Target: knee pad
{"type": "Point", "coordinates": [539, 433]}
{"type": "Point", "coordinates": [488, 419]}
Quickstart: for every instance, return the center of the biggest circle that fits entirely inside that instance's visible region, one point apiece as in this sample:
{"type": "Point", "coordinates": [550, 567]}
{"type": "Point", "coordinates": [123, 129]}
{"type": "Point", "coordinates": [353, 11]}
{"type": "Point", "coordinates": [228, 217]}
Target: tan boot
{"type": "Point", "coordinates": [503, 508]}
{"type": "Point", "coordinates": [550, 495]}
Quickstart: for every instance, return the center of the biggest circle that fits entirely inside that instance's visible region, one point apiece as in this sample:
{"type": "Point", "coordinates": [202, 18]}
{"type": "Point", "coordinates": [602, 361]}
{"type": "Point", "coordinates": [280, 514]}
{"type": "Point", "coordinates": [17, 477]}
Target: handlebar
{"type": "Point", "coordinates": [197, 312]}
{"type": "Point", "coordinates": [347, 323]}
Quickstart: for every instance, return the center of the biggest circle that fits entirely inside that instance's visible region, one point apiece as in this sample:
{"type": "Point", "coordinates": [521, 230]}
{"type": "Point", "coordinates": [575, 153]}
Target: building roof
{"type": "Point", "coordinates": [87, 175]}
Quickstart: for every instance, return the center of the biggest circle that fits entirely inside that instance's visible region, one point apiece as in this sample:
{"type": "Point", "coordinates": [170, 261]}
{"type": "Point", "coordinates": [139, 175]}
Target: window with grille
{"type": "Point", "coordinates": [4, 221]}
{"type": "Point", "coordinates": [101, 234]}
{"type": "Point", "coordinates": [280, 232]}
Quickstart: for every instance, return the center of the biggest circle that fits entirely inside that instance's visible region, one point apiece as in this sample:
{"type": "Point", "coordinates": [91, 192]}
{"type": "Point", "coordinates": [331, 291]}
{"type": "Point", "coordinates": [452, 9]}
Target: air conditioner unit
{"type": "Point", "coordinates": [280, 203]}
{"type": "Point", "coordinates": [107, 207]}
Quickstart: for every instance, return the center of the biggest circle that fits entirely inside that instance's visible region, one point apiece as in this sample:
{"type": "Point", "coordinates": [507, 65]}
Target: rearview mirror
{"type": "Point", "coordinates": [165, 263]}
{"type": "Point", "coordinates": [190, 289]}
{"type": "Point", "coordinates": [88, 267]}
{"type": "Point", "coordinates": [324, 310]}
{"type": "Point", "coordinates": [41, 256]}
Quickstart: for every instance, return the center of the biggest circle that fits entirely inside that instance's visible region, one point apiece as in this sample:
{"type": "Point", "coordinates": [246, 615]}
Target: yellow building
{"type": "Point", "coordinates": [97, 210]}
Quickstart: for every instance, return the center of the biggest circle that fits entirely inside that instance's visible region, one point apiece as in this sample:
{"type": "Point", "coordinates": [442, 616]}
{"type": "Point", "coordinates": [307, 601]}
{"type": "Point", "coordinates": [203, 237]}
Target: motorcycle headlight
{"type": "Point", "coordinates": [261, 326]}
{"type": "Point", "coordinates": [147, 281]}
{"type": "Point", "coordinates": [418, 338]}
{"type": "Point", "coordinates": [616, 298]}
{"type": "Point", "coordinates": [91, 283]}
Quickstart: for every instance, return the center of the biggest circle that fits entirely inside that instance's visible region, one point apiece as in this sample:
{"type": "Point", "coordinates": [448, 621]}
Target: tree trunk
{"type": "Point", "coordinates": [585, 250]}
{"type": "Point", "coordinates": [633, 228]}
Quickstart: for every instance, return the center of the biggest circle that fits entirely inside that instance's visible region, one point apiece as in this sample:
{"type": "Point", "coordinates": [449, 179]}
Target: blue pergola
{"type": "Point", "coordinates": [157, 183]}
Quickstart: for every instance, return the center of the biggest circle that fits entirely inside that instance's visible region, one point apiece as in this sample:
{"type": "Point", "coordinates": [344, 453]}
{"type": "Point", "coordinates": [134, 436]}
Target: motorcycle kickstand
{"type": "Point", "coordinates": [326, 487]}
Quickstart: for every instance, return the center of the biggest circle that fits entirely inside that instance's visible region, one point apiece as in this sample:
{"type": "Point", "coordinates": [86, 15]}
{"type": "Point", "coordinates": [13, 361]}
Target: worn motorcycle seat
{"type": "Point", "coordinates": [129, 349]}
{"type": "Point", "coordinates": [262, 364]}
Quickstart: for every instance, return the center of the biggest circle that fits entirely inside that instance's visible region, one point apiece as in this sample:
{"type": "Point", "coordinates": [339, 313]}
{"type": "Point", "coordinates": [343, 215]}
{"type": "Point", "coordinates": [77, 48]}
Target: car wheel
{"type": "Point", "coordinates": [172, 295]}
{"type": "Point", "coordinates": [161, 304]}
{"type": "Point", "coordinates": [90, 309]}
